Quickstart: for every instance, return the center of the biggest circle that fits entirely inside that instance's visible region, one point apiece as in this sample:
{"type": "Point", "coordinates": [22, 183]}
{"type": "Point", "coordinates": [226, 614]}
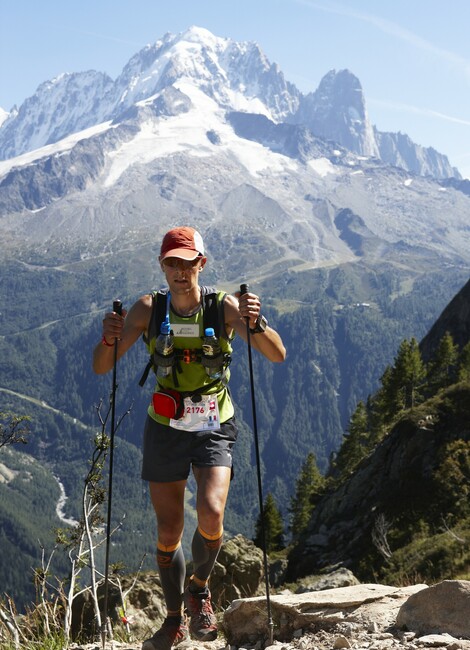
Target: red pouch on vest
{"type": "Point", "coordinates": [168, 403]}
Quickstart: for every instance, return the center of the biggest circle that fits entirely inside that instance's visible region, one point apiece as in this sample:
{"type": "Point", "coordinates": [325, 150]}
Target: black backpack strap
{"type": "Point", "coordinates": [156, 318]}
{"type": "Point", "coordinates": [213, 311]}
{"type": "Point", "coordinates": [158, 313]}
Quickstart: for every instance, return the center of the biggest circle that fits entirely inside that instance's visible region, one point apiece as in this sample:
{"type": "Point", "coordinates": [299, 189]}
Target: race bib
{"type": "Point", "coordinates": [200, 415]}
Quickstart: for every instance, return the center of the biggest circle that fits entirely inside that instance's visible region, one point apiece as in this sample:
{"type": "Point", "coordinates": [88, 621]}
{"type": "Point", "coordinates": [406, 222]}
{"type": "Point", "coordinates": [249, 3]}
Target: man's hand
{"type": "Point", "coordinates": [113, 324]}
{"type": "Point", "coordinates": [249, 306]}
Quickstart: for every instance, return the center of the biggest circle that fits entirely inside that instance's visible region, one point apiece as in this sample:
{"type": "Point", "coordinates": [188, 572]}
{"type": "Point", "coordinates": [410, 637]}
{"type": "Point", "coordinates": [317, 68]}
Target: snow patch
{"type": "Point", "coordinates": [3, 115]}
{"type": "Point", "coordinates": [322, 166]}
{"type": "Point", "coordinates": [188, 132]}
{"type": "Point", "coordinates": [57, 148]}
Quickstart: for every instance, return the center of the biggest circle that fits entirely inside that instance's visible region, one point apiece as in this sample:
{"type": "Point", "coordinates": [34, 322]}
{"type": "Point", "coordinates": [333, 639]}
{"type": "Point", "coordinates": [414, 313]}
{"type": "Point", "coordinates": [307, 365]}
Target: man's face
{"type": "Point", "coordinates": [182, 275]}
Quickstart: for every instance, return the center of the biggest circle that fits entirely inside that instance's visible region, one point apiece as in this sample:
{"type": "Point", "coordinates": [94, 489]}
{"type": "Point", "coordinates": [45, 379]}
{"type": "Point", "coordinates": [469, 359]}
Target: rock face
{"type": "Point", "coordinates": [455, 319]}
{"type": "Point", "coordinates": [401, 469]}
{"type": "Point", "coordinates": [337, 111]}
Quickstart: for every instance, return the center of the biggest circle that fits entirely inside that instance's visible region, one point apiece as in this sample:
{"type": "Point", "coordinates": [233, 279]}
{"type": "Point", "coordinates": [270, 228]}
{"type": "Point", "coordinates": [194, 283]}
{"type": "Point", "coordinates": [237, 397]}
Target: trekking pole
{"type": "Point", "coordinates": [244, 289]}
{"type": "Point", "coordinates": [117, 307]}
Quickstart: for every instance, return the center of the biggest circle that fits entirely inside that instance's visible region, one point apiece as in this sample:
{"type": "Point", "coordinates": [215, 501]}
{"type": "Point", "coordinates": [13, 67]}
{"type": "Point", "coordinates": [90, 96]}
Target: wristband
{"type": "Point", "coordinates": [105, 342]}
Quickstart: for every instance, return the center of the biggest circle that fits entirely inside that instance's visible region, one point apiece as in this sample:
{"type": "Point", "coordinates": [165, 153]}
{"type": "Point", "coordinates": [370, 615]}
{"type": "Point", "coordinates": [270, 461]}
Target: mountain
{"type": "Point", "coordinates": [234, 75]}
{"type": "Point", "coordinates": [349, 254]}
{"type": "Point", "coordinates": [337, 111]}
{"type": "Point", "coordinates": [3, 115]}
{"type": "Point", "coordinates": [455, 319]}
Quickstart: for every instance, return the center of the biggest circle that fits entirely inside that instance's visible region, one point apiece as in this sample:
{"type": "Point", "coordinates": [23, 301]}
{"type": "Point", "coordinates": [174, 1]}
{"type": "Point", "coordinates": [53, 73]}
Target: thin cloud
{"type": "Point", "coordinates": [416, 110]}
{"type": "Point", "coordinates": [104, 37]}
{"type": "Point", "coordinates": [393, 29]}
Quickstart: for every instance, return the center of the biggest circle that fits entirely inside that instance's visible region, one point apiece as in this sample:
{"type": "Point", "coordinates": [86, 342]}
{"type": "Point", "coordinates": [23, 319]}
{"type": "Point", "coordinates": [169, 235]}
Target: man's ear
{"type": "Point", "coordinates": [203, 263]}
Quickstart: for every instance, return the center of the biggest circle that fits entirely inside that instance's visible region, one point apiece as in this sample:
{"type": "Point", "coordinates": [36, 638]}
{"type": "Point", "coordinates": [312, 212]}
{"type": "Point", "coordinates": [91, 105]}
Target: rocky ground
{"type": "Point", "coordinates": [337, 638]}
{"type": "Point", "coordinates": [361, 617]}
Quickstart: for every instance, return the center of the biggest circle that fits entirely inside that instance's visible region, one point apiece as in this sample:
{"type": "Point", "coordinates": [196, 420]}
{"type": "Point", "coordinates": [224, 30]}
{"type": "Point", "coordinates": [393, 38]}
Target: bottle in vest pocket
{"type": "Point", "coordinates": [164, 350]}
{"type": "Point", "coordinates": [212, 355]}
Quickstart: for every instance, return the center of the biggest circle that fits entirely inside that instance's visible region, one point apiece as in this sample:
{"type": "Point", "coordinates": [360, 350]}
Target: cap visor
{"type": "Point", "coordinates": [182, 253]}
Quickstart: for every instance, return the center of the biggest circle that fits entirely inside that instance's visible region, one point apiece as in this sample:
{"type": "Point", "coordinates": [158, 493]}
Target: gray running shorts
{"type": "Point", "coordinates": [168, 453]}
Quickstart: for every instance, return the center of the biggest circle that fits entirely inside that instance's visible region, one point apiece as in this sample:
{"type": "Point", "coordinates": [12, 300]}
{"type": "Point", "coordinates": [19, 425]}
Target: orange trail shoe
{"type": "Point", "coordinates": [173, 632]}
{"type": "Point", "coordinates": [203, 623]}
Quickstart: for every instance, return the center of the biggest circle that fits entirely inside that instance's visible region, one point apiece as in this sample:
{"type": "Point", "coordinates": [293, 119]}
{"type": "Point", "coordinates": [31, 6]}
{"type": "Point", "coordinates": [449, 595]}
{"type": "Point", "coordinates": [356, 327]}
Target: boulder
{"type": "Point", "coordinates": [340, 578]}
{"type": "Point", "coordinates": [246, 621]}
{"type": "Point", "coordinates": [439, 609]}
{"type": "Point", "coordinates": [239, 571]}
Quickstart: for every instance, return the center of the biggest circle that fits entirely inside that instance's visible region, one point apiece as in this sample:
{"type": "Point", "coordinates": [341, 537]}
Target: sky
{"type": "Point", "coordinates": [412, 57]}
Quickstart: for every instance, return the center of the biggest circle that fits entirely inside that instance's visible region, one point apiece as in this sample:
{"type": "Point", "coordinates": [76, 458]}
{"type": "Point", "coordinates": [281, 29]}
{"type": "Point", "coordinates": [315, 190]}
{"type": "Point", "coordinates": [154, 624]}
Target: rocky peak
{"type": "Point", "coordinates": [398, 149]}
{"type": "Point", "coordinates": [67, 103]}
{"type": "Point", "coordinates": [237, 76]}
{"type": "Point", "coordinates": [337, 111]}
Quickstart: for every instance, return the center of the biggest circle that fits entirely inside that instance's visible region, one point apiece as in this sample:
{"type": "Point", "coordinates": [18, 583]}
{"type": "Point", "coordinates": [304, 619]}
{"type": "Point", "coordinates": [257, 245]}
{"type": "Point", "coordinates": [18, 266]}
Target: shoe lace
{"type": "Point", "coordinates": [205, 612]}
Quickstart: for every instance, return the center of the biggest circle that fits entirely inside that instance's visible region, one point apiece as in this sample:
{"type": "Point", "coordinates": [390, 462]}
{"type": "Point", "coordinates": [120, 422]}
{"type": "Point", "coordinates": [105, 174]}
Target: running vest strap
{"type": "Point", "coordinates": [213, 315]}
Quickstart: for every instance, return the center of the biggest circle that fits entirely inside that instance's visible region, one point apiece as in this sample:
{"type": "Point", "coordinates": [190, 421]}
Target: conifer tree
{"type": "Point", "coordinates": [273, 527]}
{"type": "Point", "coordinates": [464, 364]}
{"type": "Point", "coordinates": [403, 382]}
{"type": "Point", "coordinates": [356, 443]}
{"type": "Point", "coordinates": [443, 369]}
{"type": "Point", "coordinates": [309, 487]}
{"type": "Point", "coordinates": [409, 373]}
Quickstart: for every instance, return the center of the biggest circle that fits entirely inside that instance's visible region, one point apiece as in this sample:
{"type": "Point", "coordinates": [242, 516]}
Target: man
{"type": "Point", "coordinates": [174, 443]}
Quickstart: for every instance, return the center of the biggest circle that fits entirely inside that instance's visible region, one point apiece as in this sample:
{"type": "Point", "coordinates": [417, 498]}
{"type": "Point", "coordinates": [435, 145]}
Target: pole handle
{"type": "Point", "coordinates": [243, 289]}
{"type": "Point", "coordinates": [117, 307]}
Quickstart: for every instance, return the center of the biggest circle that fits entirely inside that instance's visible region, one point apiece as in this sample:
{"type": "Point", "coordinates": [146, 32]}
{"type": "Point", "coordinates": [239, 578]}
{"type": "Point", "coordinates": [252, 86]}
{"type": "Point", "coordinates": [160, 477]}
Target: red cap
{"type": "Point", "coordinates": [183, 242]}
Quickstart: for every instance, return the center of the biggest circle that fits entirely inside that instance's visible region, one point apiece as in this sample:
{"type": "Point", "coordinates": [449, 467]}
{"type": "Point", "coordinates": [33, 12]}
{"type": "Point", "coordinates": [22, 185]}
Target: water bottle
{"type": "Point", "coordinates": [164, 351]}
{"type": "Point", "coordinates": [212, 357]}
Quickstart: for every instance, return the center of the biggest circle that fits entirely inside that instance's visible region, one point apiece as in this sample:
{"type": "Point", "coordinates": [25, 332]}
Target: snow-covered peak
{"type": "Point", "coordinates": [224, 69]}
{"type": "Point", "coordinates": [58, 108]}
{"type": "Point", "coordinates": [201, 35]}
{"type": "Point", "coordinates": [236, 76]}
{"type": "Point", "coordinates": [3, 115]}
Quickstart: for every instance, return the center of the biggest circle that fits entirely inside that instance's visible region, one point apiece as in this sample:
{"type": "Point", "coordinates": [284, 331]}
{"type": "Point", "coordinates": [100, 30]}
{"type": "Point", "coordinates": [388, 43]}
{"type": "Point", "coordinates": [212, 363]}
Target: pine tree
{"type": "Point", "coordinates": [443, 369]}
{"type": "Point", "coordinates": [309, 487]}
{"type": "Point", "coordinates": [409, 373]}
{"type": "Point", "coordinates": [273, 527]}
{"type": "Point", "coordinates": [356, 444]}
{"type": "Point", "coordinates": [464, 364]}
{"type": "Point", "coordinates": [402, 383]}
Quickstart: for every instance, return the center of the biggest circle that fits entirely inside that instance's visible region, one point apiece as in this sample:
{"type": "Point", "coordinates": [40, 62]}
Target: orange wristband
{"type": "Point", "coordinates": [105, 342]}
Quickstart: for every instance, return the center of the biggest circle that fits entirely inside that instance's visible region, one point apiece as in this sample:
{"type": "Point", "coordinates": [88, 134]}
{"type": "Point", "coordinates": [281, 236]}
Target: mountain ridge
{"type": "Point", "coordinates": [236, 75]}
